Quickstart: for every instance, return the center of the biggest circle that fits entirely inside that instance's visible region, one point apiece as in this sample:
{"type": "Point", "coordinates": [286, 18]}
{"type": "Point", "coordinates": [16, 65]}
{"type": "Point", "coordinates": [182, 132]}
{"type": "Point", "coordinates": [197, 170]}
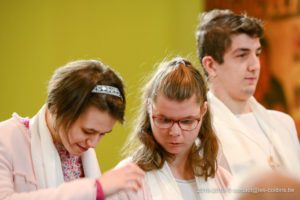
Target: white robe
{"type": "Point", "coordinates": [238, 144]}
{"type": "Point", "coordinates": [161, 185]}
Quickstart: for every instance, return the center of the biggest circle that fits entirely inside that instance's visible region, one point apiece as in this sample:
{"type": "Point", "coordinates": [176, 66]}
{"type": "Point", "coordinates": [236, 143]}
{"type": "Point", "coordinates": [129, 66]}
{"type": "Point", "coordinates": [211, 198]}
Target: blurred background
{"type": "Point", "coordinates": [36, 37]}
{"type": "Point", "coordinates": [132, 36]}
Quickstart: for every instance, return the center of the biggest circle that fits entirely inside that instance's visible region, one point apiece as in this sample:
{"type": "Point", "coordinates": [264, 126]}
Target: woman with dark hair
{"type": "Point", "coordinates": [174, 141]}
{"type": "Point", "coordinates": [51, 156]}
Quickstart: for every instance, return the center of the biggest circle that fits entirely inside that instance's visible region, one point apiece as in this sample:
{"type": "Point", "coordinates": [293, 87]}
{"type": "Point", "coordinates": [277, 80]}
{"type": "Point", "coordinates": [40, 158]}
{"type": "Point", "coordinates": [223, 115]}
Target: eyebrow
{"type": "Point", "coordinates": [259, 48]}
{"type": "Point", "coordinates": [108, 131]}
{"type": "Point", "coordinates": [246, 49]}
{"type": "Point", "coordinates": [186, 117]}
{"type": "Point", "coordinates": [96, 131]}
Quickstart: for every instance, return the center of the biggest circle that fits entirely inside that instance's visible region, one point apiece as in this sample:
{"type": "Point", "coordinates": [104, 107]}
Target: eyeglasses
{"type": "Point", "coordinates": [184, 124]}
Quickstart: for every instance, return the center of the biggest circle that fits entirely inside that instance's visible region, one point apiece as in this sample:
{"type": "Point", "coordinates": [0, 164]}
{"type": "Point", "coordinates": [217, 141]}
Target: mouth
{"type": "Point", "coordinates": [83, 149]}
{"type": "Point", "coordinates": [251, 78]}
{"type": "Point", "coordinates": [175, 143]}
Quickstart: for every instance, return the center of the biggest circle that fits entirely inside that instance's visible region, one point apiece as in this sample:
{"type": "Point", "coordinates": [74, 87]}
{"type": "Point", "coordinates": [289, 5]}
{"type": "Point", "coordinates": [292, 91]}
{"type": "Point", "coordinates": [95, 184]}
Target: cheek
{"type": "Point", "coordinates": [64, 137]}
{"type": "Point", "coordinates": [258, 70]}
{"type": "Point", "coordinates": [195, 135]}
{"type": "Point", "coordinates": [195, 132]}
{"type": "Point", "coordinates": [158, 135]}
{"type": "Point", "coordinates": [155, 133]}
{"type": "Point", "coordinates": [100, 138]}
{"type": "Point", "coordinates": [75, 137]}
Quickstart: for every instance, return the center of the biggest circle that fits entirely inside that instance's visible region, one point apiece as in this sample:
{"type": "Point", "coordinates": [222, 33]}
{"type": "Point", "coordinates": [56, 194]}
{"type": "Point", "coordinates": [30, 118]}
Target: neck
{"type": "Point", "coordinates": [181, 167]}
{"type": "Point", "coordinates": [235, 105]}
{"type": "Point", "coordinates": [50, 125]}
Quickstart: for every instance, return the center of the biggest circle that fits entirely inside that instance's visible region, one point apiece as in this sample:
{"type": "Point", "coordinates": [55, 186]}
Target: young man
{"type": "Point", "coordinates": [250, 135]}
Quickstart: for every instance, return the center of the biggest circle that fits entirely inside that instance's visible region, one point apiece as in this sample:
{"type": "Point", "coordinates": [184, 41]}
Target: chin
{"type": "Point", "coordinates": [74, 153]}
{"type": "Point", "coordinates": [249, 91]}
{"type": "Point", "coordinates": [174, 151]}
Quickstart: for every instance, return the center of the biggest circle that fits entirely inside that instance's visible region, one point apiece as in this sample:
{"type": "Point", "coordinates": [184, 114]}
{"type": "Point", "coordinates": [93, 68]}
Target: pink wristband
{"type": "Point", "coordinates": [100, 194]}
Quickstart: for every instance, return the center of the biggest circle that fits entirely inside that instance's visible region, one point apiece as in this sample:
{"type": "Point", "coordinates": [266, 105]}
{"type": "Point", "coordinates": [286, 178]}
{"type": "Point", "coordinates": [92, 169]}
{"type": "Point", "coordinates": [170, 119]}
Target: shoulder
{"type": "Point", "coordinates": [286, 122]}
{"type": "Point", "coordinates": [14, 143]}
{"type": "Point", "coordinates": [14, 122]}
{"type": "Point", "coordinates": [124, 162]}
{"type": "Point", "coordinates": [13, 132]}
{"type": "Point", "coordinates": [281, 117]}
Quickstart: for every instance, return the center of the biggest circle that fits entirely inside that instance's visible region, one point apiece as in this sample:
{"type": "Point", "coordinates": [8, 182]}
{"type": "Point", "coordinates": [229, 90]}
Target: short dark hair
{"type": "Point", "coordinates": [215, 29]}
{"type": "Point", "coordinates": [69, 92]}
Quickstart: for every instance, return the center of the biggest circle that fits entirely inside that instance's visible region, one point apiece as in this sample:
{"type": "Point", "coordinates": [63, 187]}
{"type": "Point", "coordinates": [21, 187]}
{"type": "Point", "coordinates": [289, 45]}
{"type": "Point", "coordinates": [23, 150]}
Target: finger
{"type": "Point", "coordinates": [132, 186]}
{"type": "Point", "coordinates": [136, 169]}
{"type": "Point", "coordinates": [140, 171]}
{"type": "Point", "coordinates": [138, 181]}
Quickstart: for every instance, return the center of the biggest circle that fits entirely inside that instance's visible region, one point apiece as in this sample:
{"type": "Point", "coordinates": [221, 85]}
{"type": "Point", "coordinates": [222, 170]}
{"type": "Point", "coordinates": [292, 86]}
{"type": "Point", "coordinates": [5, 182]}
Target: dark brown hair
{"type": "Point", "coordinates": [177, 81]}
{"type": "Point", "coordinates": [215, 29]}
{"type": "Point", "coordinates": [69, 92]}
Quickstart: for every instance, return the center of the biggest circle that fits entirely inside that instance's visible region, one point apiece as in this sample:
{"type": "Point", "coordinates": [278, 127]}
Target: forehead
{"type": "Point", "coordinates": [175, 109]}
{"type": "Point", "coordinates": [93, 118]}
{"type": "Point", "coordinates": [243, 41]}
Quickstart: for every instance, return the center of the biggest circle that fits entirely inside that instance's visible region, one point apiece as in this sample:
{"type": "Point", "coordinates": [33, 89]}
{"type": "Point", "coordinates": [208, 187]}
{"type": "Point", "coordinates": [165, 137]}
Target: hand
{"type": "Point", "coordinates": [129, 176]}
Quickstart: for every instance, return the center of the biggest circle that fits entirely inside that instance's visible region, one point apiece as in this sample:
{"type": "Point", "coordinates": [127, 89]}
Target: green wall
{"type": "Point", "coordinates": [131, 36]}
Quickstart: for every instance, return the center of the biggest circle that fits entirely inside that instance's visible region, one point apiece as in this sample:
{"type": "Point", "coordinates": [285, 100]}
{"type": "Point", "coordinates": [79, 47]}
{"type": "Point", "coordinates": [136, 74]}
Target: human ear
{"type": "Point", "coordinates": [209, 65]}
{"type": "Point", "coordinates": [204, 108]}
{"type": "Point", "coordinates": [148, 105]}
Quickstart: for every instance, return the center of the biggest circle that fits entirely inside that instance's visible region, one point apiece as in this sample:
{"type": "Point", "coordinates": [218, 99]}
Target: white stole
{"type": "Point", "coordinates": [45, 158]}
{"type": "Point", "coordinates": [238, 143]}
{"type": "Point", "coordinates": [163, 186]}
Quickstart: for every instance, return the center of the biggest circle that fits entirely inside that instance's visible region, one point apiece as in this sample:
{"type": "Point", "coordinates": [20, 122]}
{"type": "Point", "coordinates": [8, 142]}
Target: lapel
{"type": "Point", "coordinates": [234, 135]}
{"type": "Point", "coordinates": [278, 135]}
{"type": "Point", "coordinates": [163, 186]}
{"type": "Point", "coordinates": [90, 164]}
{"type": "Point", "coordinates": [224, 119]}
{"type": "Point", "coordinates": [45, 158]}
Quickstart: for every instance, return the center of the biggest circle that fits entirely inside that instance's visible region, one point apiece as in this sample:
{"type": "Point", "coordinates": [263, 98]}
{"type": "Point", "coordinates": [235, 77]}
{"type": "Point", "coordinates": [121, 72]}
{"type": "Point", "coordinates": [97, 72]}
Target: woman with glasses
{"type": "Point", "coordinates": [174, 141]}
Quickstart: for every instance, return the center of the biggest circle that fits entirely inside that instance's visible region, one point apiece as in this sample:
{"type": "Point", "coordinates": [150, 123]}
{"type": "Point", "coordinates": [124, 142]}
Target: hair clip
{"type": "Point", "coordinates": [106, 89]}
{"type": "Point", "coordinates": [180, 61]}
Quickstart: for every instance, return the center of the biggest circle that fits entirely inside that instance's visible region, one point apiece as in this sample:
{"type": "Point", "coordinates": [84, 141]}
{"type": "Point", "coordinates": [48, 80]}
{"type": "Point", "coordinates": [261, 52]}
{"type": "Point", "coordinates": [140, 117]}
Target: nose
{"type": "Point", "coordinates": [254, 63]}
{"type": "Point", "coordinates": [93, 141]}
{"type": "Point", "coordinates": [175, 130]}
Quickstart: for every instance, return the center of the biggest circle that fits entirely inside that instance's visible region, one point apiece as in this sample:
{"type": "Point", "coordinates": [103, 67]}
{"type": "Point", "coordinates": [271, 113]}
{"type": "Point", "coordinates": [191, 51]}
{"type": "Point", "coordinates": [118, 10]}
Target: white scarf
{"type": "Point", "coordinates": [163, 186]}
{"type": "Point", "coordinates": [238, 143]}
{"type": "Point", "coordinates": [46, 160]}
